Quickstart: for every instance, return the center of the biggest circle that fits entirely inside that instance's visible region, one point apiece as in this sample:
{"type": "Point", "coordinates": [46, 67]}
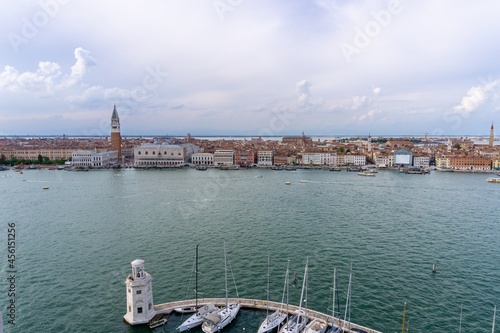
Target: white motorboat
{"type": "Point", "coordinates": [273, 320]}
{"type": "Point", "coordinates": [217, 321]}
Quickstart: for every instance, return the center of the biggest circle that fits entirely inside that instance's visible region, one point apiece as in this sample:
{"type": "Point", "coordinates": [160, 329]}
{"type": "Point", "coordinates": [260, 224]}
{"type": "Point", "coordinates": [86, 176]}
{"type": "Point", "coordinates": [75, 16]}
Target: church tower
{"type": "Point", "coordinates": [116, 139]}
{"type": "Point", "coordinates": [369, 143]}
{"type": "Point", "coordinates": [140, 308]}
{"type": "Point", "coordinates": [492, 136]}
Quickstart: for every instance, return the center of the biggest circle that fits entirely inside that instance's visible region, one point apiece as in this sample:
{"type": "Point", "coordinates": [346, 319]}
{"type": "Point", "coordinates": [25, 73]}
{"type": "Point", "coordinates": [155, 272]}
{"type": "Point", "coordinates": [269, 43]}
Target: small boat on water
{"type": "Point", "coordinates": [201, 167]}
{"type": "Point", "coordinates": [366, 174]}
{"type": "Point", "coordinates": [157, 323]}
{"type": "Point", "coordinates": [371, 171]}
{"type": "Point", "coordinates": [287, 182]}
{"type": "Point", "coordinates": [493, 180]}
{"type": "Point", "coordinates": [45, 187]}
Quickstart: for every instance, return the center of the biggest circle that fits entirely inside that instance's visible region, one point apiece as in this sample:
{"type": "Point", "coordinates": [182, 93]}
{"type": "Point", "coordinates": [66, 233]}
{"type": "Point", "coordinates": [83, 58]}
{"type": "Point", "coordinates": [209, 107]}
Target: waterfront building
{"type": "Point", "coordinates": [350, 159]}
{"type": "Point", "coordinates": [244, 157]}
{"type": "Point", "coordinates": [492, 136]}
{"type": "Point", "coordinates": [91, 158]}
{"type": "Point", "coordinates": [495, 164]}
{"type": "Point", "coordinates": [402, 158]}
{"type": "Point", "coordinates": [140, 306]}
{"type": "Point", "coordinates": [33, 153]}
{"type": "Point", "coordinates": [116, 139]}
{"type": "Point", "coordinates": [443, 162]}
{"type": "Point", "coordinates": [470, 162]}
{"type": "Point", "coordinates": [224, 157]}
{"type": "Point", "coordinates": [384, 161]}
{"type": "Point", "coordinates": [421, 161]}
{"type": "Point", "coordinates": [202, 159]}
{"type": "Point", "coordinates": [316, 158]}
{"type": "Point", "coordinates": [164, 154]}
{"type": "Point", "coordinates": [265, 157]}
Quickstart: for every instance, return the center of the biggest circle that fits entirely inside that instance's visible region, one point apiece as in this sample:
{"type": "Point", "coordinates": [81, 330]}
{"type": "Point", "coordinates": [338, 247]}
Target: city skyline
{"type": "Point", "coordinates": [249, 68]}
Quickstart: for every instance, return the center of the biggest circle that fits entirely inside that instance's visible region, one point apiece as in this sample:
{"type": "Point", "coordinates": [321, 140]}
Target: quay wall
{"type": "Point", "coordinates": [248, 303]}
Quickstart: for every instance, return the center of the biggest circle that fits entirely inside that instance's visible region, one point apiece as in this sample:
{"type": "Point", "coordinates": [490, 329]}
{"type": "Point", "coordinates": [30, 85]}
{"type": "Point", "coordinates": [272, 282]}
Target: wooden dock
{"type": "Point", "coordinates": [247, 303]}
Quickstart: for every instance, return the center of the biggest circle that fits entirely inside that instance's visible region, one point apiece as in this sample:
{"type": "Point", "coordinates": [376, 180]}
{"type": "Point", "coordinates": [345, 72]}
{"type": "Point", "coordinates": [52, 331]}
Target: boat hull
{"type": "Point", "coordinates": [225, 317]}
{"type": "Point", "coordinates": [272, 322]}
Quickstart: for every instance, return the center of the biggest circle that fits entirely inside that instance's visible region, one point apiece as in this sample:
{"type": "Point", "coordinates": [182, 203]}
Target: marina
{"type": "Point", "coordinates": [93, 224]}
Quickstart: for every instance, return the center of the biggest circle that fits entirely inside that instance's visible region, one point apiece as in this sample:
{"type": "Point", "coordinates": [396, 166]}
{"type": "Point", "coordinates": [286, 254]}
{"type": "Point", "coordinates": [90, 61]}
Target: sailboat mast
{"type": "Point", "coordinates": [225, 269]}
{"type": "Point", "coordinates": [287, 279]}
{"type": "Point", "coordinates": [303, 287]}
{"type": "Point", "coordinates": [267, 304]}
{"type": "Point", "coordinates": [348, 304]}
{"type": "Point", "coordinates": [333, 311]}
{"type": "Point", "coordinates": [196, 273]}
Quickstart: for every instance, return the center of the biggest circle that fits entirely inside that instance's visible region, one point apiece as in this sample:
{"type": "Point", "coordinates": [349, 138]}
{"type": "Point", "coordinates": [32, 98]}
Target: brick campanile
{"type": "Point", "coordinates": [116, 138]}
{"type": "Point", "coordinates": [492, 136]}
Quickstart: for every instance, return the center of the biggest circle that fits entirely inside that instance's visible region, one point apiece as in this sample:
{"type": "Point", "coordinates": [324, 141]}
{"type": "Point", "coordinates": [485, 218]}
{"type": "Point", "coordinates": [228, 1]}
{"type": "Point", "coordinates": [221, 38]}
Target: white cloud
{"type": "Point", "coordinates": [48, 78]}
{"type": "Point", "coordinates": [369, 115]}
{"type": "Point", "coordinates": [376, 90]}
{"type": "Point", "coordinates": [476, 96]}
{"type": "Point", "coordinates": [304, 93]}
{"type": "Point", "coordinates": [83, 61]}
{"type": "Point", "coordinates": [359, 102]}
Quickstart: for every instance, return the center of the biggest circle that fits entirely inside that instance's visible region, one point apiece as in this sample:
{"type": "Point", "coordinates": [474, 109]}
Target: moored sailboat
{"type": "Point", "coordinates": [297, 323]}
{"type": "Point", "coordinates": [197, 318]}
{"type": "Point", "coordinates": [220, 319]}
{"type": "Point", "coordinates": [276, 318]}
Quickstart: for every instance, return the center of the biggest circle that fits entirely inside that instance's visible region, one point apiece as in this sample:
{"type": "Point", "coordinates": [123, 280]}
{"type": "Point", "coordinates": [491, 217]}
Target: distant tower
{"type": "Point", "coordinates": [116, 138]}
{"type": "Point", "coordinates": [189, 137]}
{"type": "Point", "coordinates": [492, 136]}
{"type": "Point", "coordinates": [449, 145]}
{"type": "Point", "coordinates": [369, 143]}
{"type": "Point", "coordinates": [140, 308]}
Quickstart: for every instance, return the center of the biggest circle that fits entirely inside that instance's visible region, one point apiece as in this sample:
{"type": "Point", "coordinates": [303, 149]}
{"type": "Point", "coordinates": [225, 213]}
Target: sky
{"type": "Point", "coordinates": [241, 67]}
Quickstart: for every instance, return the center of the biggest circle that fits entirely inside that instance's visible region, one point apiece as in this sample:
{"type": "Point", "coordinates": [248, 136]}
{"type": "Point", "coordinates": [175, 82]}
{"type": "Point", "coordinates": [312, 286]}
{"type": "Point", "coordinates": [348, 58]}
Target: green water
{"type": "Point", "coordinates": [76, 240]}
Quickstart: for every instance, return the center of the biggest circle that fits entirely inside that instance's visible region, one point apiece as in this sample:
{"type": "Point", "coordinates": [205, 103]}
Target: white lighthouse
{"type": "Point", "coordinates": [140, 308]}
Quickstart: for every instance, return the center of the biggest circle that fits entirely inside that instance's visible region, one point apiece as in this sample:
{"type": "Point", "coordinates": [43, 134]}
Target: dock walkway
{"type": "Point", "coordinates": [248, 303]}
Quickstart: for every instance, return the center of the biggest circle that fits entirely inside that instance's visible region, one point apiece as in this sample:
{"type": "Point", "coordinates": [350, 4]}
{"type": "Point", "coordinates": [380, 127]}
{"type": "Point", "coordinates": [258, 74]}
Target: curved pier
{"type": "Point", "coordinates": [248, 303]}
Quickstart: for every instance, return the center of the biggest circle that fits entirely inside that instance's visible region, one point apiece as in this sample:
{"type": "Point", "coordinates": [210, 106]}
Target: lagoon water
{"type": "Point", "coordinates": [75, 242]}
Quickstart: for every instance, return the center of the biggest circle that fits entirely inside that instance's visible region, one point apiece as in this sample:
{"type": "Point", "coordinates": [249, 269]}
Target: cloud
{"type": "Point", "coordinates": [83, 61]}
{"type": "Point", "coordinates": [304, 93]}
{"type": "Point", "coordinates": [370, 115]}
{"type": "Point", "coordinates": [376, 90]}
{"type": "Point", "coordinates": [97, 95]}
{"type": "Point", "coordinates": [359, 102]}
{"type": "Point", "coordinates": [48, 78]}
{"type": "Point", "coordinates": [476, 96]}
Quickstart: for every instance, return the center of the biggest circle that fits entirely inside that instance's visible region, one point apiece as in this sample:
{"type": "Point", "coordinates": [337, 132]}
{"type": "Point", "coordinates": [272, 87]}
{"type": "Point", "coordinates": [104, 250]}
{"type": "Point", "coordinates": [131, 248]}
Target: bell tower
{"type": "Point", "coordinates": [116, 139]}
{"type": "Point", "coordinates": [140, 308]}
{"type": "Point", "coordinates": [492, 136]}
